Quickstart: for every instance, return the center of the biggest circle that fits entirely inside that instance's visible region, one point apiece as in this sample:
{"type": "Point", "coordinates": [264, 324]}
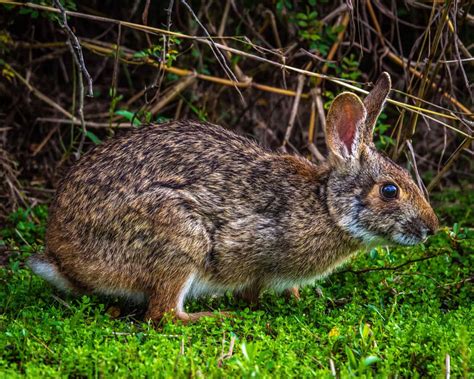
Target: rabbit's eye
{"type": "Point", "coordinates": [389, 191]}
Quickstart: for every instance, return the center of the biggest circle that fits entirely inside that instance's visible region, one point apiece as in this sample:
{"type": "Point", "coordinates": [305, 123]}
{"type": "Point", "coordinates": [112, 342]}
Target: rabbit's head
{"type": "Point", "coordinates": [369, 196]}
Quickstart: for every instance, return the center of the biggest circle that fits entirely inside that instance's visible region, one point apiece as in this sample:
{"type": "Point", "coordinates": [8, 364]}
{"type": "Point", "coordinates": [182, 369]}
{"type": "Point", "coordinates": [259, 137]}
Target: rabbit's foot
{"type": "Point", "coordinates": [193, 317]}
{"type": "Point", "coordinates": [168, 299]}
{"type": "Point", "coordinates": [292, 293]}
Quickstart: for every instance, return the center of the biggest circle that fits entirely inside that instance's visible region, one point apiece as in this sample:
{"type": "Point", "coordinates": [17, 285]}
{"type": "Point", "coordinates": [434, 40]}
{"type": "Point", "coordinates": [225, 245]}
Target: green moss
{"type": "Point", "coordinates": [368, 320]}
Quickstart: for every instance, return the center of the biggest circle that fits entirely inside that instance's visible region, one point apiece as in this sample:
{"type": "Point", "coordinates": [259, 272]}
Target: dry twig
{"type": "Point", "coordinates": [76, 52]}
{"type": "Point", "coordinates": [294, 110]}
{"type": "Point", "coordinates": [229, 353]}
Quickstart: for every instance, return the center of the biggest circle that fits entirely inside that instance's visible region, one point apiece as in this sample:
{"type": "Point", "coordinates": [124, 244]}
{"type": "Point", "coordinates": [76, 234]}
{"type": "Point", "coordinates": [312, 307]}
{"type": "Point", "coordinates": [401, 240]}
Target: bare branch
{"type": "Point", "coordinates": [75, 46]}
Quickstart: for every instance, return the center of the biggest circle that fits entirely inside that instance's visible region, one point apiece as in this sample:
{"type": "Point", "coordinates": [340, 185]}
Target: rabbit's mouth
{"type": "Point", "coordinates": [409, 239]}
{"type": "Point", "coordinates": [411, 233]}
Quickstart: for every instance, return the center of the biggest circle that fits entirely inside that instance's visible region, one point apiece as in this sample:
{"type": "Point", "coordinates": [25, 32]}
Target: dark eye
{"type": "Point", "coordinates": [389, 191]}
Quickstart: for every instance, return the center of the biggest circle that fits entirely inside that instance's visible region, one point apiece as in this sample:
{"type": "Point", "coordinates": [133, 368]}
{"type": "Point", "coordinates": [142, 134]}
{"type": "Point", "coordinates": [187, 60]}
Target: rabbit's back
{"type": "Point", "coordinates": [178, 153]}
{"type": "Point", "coordinates": [213, 166]}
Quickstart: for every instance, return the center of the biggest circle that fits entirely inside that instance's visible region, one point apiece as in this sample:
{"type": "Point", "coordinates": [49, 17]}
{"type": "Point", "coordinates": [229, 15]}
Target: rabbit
{"type": "Point", "coordinates": [185, 209]}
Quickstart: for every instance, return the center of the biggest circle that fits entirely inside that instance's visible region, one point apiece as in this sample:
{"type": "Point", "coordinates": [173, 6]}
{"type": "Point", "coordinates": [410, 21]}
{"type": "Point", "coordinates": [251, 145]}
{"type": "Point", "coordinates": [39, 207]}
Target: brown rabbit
{"type": "Point", "coordinates": [174, 211]}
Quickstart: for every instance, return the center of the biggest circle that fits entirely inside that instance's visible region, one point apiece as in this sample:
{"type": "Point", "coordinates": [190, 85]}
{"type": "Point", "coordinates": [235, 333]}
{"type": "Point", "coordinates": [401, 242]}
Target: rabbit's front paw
{"type": "Point", "coordinates": [292, 294]}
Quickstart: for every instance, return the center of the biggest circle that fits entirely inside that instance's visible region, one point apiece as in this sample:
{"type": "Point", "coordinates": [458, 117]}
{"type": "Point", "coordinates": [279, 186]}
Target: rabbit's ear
{"type": "Point", "coordinates": [374, 103]}
{"type": "Point", "coordinates": [344, 126]}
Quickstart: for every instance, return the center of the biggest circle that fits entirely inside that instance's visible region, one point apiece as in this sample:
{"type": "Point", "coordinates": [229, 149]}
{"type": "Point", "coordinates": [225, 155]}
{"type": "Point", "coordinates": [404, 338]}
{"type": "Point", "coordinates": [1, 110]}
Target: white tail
{"type": "Point", "coordinates": [43, 267]}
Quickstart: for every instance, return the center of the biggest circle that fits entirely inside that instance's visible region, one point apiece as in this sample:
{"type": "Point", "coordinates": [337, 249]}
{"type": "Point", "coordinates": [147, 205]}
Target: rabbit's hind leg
{"type": "Point", "coordinates": [169, 295]}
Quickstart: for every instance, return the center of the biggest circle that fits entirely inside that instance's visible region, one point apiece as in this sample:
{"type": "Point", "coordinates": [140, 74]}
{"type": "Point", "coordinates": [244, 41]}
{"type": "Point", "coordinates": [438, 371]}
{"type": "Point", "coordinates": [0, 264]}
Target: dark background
{"type": "Point", "coordinates": [353, 41]}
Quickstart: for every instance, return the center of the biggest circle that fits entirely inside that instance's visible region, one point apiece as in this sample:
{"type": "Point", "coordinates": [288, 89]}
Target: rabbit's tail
{"type": "Point", "coordinates": [44, 266]}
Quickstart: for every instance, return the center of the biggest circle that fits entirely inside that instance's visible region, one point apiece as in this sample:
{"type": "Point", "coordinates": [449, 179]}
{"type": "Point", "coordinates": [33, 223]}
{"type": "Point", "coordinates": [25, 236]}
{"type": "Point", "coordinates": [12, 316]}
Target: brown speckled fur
{"type": "Point", "coordinates": [188, 207]}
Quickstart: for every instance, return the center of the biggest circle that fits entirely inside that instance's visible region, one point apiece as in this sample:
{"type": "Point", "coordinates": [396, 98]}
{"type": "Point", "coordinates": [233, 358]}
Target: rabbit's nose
{"type": "Point", "coordinates": [431, 227]}
{"type": "Point", "coordinates": [426, 227]}
{"type": "Point", "coordinates": [430, 221]}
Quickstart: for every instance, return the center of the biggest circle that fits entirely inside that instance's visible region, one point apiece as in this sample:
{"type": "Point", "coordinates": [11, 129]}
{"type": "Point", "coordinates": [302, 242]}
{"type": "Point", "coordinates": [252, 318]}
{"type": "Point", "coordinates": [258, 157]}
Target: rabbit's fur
{"type": "Point", "coordinates": [187, 208]}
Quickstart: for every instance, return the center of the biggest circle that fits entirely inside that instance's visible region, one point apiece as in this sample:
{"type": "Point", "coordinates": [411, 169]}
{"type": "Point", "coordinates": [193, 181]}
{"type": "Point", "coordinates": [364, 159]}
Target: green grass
{"type": "Point", "coordinates": [375, 323]}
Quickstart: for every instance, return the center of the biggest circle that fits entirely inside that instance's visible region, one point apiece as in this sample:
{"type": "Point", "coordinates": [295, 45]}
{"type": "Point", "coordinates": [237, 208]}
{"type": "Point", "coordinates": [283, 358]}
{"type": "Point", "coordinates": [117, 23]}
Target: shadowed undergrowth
{"type": "Point", "coordinates": [391, 311]}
